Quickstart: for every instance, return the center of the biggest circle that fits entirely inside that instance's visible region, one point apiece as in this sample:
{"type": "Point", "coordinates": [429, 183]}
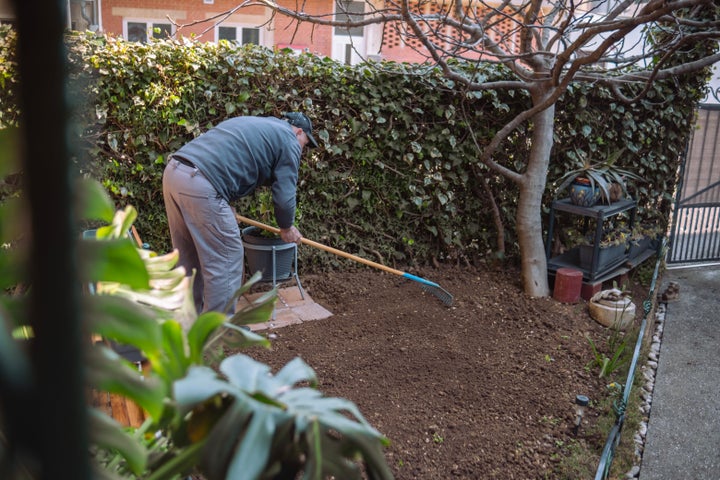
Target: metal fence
{"type": "Point", "coordinates": [695, 231]}
{"type": "Point", "coordinates": [613, 439]}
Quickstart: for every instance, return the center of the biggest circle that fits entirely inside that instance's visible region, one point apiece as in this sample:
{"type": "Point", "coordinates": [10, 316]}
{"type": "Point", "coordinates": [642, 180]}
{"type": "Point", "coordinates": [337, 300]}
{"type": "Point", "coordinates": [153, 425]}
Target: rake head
{"type": "Point", "coordinates": [439, 292]}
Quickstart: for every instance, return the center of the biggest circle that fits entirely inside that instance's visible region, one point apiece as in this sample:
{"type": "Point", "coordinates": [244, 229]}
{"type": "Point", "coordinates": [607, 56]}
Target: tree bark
{"type": "Point", "coordinates": [529, 212]}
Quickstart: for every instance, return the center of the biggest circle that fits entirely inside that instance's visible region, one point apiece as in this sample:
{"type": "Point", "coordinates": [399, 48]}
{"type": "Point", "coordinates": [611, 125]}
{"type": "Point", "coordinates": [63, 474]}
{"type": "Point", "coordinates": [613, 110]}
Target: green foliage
{"type": "Point", "coordinates": [653, 133]}
{"type": "Point", "coordinates": [602, 173]}
{"type": "Point", "coordinates": [606, 364]}
{"type": "Point", "coordinates": [615, 354]}
{"type": "Point", "coordinates": [9, 79]}
{"type": "Point", "coordinates": [386, 163]}
{"type": "Point", "coordinates": [238, 418]}
{"type": "Point", "coordinates": [396, 173]}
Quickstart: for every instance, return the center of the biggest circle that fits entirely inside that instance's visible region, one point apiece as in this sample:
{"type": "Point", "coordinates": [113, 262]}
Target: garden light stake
{"type": "Point", "coordinates": [581, 402]}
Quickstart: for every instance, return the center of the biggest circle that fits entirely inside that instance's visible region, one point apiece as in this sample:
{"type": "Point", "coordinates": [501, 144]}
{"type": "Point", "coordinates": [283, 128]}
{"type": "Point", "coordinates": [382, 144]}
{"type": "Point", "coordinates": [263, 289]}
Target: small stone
{"type": "Point", "coordinates": [633, 473]}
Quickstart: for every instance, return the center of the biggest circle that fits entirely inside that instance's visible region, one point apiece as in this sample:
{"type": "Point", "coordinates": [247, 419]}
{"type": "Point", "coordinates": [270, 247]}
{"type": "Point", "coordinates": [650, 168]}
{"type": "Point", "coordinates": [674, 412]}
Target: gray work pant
{"type": "Point", "coordinates": [204, 230]}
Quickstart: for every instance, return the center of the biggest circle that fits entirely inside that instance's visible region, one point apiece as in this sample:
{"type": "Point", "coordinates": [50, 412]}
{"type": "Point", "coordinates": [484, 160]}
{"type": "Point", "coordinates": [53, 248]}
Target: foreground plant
{"type": "Point", "coordinates": [238, 421]}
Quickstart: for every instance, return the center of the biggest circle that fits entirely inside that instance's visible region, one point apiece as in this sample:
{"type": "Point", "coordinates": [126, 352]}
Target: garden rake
{"type": "Point", "coordinates": [426, 285]}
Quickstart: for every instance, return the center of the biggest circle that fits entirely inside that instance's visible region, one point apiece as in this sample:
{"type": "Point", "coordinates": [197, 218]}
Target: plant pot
{"type": "Point", "coordinates": [639, 246]}
{"type": "Point", "coordinates": [269, 255]}
{"type": "Point", "coordinates": [607, 256]}
{"type": "Point", "coordinates": [612, 313]}
{"type": "Point", "coordinates": [582, 193]}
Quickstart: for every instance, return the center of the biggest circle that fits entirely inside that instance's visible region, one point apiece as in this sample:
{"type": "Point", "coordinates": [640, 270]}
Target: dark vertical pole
{"type": "Point", "coordinates": [57, 424]}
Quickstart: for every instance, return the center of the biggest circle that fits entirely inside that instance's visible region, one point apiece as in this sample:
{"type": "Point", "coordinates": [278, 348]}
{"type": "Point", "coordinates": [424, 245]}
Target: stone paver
{"type": "Point", "coordinates": [293, 306]}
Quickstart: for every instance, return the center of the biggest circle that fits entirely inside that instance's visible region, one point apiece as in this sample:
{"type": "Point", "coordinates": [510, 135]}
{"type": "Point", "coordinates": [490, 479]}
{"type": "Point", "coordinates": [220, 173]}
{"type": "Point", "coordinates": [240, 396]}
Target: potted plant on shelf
{"type": "Point", "coordinates": [641, 238]}
{"type": "Point", "coordinates": [265, 251]}
{"type": "Point", "coordinates": [612, 249]}
{"type": "Point", "coordinates": [590, 181]}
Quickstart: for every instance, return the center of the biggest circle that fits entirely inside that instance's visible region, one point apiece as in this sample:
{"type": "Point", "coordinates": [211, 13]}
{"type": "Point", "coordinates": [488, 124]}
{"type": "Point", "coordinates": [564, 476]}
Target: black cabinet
{"type": "Point", "coordinates": [597, 267]}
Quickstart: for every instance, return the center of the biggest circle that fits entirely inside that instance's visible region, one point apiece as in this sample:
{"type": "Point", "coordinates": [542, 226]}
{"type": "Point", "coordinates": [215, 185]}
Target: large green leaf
{"type": "Point", "coordinates": [121, 223]}
{"type": "Point", "coordinates": [9, 151]}
{"type": "Point", "coordinates": [13, 223]}
{"type": "Point", "coordinates": [267, 414]}
{"type": "Point", "coordinates": [201, 331]}
{"type": "Point", "coordinates": [175, 359]}
{"type": "Point", "coordinates": [112, 261]}
{"type": "Point", "coordinates": [258, 312]}
{"type": "Point", "coordinates": [248, 374]}
{"type": "Point", "coordinates": [296, 371]}
{"type": "Point", "coordinates": [224, 437]}
{"type": "Point", "coordinates": [125, 322]}
{"type": "Point", "coordinates": [92, 202]}
{"type": "Point", "coordinates": [253, 452]}
{"type": "Point", "coordinates": [108, 372]}
{"type": "Point", "coordinates": [106, 432]}
{"type": "Point", "coordinates": [200, 384]}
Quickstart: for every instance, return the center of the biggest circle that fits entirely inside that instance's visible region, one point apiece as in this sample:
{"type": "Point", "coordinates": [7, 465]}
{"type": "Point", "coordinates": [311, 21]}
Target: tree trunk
{"type": "Point", "coordinates": [529, 218]}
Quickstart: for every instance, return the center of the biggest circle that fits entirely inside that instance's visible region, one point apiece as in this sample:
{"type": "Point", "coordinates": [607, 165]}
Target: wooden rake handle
{"type": "Point", "coordinates": [326, 248]}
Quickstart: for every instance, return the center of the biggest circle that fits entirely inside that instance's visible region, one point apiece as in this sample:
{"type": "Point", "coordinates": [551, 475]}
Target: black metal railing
{"type": "Point", "coordinates": [695, 232]}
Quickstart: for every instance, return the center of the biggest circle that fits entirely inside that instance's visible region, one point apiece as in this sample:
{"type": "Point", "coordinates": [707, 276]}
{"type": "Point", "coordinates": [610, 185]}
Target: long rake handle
{"type": "Point", "coordinates": [335, 251]}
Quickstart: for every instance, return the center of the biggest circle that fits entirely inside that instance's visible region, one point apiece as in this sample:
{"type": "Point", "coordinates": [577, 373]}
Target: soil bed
{"type": "Point", "coordinates": [483, 389]}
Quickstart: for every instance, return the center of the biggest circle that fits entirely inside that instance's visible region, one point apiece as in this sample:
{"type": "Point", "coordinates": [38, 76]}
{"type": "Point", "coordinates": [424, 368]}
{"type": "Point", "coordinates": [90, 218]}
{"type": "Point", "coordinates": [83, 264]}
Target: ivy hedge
{"type": "Point", "coordinates": [396, 177]}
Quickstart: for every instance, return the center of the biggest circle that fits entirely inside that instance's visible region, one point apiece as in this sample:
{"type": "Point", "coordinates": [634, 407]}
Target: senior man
{"type": "Point", "coordinates": [220, 166]}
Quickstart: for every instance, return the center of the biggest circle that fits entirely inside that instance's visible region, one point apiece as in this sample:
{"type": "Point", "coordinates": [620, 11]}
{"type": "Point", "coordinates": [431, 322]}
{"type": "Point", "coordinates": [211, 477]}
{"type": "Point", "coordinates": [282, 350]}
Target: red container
{"type": "Point", "coordinates": [568, 283]}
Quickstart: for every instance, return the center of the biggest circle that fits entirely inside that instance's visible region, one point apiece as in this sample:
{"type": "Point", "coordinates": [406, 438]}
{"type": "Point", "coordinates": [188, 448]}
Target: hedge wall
{"type": "Point", "coordinates": [396, 177]}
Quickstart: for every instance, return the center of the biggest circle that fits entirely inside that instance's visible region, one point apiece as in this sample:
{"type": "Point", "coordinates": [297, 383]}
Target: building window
{"type": "Point", "coordinates": [347, 12]}
{"type": "Point", "coordinates": [241, 35]}
{"type": "Point", "coordinates": [141, 31]}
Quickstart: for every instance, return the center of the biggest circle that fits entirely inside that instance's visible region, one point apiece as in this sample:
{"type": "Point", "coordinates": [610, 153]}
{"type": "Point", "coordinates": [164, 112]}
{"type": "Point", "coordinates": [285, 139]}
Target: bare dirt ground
{"type": "Point", "coordinates": [481, 390]}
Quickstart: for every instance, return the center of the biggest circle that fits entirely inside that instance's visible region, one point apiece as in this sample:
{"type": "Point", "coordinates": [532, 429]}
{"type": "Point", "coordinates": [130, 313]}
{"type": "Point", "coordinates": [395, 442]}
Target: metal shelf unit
{"type": "Point", "coordinates": [598, 213]}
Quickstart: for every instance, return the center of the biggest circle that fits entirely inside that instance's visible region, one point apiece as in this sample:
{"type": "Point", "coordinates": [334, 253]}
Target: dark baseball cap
{"type": "Point", "coordinates": [302, 121]}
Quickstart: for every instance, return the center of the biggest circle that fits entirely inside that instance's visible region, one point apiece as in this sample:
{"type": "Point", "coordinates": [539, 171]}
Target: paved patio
{"type": "Point", "coordinates": [293, 306]}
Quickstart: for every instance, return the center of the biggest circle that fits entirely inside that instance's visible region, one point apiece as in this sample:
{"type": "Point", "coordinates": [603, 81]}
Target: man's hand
{"type": "Point", "coordinates": [291, 235]}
